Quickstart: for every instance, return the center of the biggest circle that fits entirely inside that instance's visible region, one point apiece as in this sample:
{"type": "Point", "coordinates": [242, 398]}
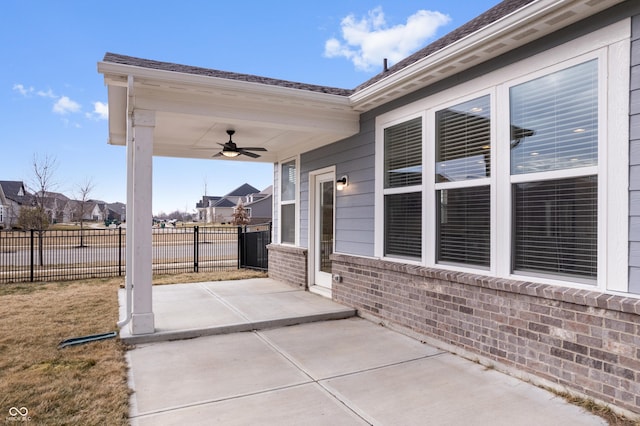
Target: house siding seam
{"type": "Point", "coordinates": [634, 159]}
{"type": "Point", "coordinates": [574, 339]}
{"type": "Point", "coordinates": [288, 264]}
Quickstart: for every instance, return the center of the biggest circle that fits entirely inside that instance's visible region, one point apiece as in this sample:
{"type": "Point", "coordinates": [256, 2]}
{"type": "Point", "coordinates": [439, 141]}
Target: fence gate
{"type": "Point", "coordinates": [252, 247]}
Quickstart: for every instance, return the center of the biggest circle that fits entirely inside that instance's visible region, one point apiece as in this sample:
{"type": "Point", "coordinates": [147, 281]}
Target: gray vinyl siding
{"type": "Point", "coordinates": [354, 157]}
{"type": "Point", "coordinates": [634, 159]}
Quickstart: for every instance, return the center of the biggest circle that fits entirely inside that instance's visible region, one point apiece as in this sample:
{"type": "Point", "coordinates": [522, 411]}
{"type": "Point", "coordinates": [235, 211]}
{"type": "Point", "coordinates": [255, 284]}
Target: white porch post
{"type": "Point", "coordinates": [140, 187]}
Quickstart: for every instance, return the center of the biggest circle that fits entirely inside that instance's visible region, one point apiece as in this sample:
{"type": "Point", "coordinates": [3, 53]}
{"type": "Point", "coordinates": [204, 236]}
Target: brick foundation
{"type": "Point", "coordinates": [288, 264]}
{"type": "Point", "coordinates": [585, 342]}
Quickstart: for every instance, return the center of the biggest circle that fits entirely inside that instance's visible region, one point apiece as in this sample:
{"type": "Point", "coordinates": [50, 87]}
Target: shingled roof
{"type": "Point", "coordinates": [187, 69]}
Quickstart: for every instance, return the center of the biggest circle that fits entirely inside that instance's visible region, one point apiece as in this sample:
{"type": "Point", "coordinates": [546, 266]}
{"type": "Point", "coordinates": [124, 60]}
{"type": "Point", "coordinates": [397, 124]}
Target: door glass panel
{"type": "Point", "coordinates": [326, 225]}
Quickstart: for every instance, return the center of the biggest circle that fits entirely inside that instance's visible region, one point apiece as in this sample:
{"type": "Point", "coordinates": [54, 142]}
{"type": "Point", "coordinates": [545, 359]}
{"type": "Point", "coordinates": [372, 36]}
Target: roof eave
{"type": "Point", "coordinates": [526, 24]}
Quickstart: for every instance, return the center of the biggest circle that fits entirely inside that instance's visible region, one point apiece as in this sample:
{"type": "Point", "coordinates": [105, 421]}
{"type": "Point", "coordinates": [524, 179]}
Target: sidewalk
{"type": "Point", "coordinates": [339, 372]}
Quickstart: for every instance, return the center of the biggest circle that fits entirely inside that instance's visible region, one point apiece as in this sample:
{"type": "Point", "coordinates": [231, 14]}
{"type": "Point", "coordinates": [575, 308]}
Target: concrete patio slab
{"type": "Point", "coordinates": [343, 372]}
{"type": "Point", "coordinates": [342, 347]}
{"type": "Point", "coordinates": [185, 311]}
{"type": "Point", "coordinates": [448, 390]}
{"type": "Point", "coordinates": [308, 405]}
{"type": "Point", "coordinates": [171, 375]}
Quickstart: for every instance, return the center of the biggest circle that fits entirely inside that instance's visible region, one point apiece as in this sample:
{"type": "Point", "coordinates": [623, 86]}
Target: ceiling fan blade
{"type": "Point", "coordinates": [219, 154]}
{"type": "Point", "coordinates": [253, 149]}
{"type": "Point", "coordinates": [247, 153]}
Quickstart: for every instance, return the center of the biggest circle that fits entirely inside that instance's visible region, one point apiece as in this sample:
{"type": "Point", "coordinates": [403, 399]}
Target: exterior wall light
{"type": "Point", "coordinates": [342, 183]}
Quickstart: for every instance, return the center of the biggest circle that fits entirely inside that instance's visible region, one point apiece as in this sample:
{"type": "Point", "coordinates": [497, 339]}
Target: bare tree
{"type": "Point", "coordinates": [82, 204]}
{"type": "Point", "coordinates": [41, 185]}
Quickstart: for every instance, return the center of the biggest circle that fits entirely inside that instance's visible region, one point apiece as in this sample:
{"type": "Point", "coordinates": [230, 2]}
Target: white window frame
{"type": "Point", "coordinates": [432, 186]}
{"type": "Point", "coordinates": [381, 191]}
{"type": "Point", "coordinates": [295, 201]}
{"type": "Point", "coordinates": [611, 46]}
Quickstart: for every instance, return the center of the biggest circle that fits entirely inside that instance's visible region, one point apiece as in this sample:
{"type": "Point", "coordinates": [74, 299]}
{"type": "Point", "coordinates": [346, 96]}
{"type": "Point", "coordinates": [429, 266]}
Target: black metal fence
{"type": "Point", "coordinates": [73, 254]}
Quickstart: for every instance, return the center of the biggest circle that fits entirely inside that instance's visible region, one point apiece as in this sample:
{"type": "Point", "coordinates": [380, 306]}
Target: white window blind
{"type": "Point", "coordinates": [464, 225]}
{"type": "Point", "coordinates": [403, 154]}
{"type": "Point", "coordinates": [403, 225]}
{"type": "Point", "coordinates": [403, 196]}
{"type": "Point", "coordinates": [463, 155]}
{"type": "Point", "coordinates": [554, 126]}
{"type": "Point", "coordinates": [463, 147]}
{"type": "Point", "coordinates": [555, 121]}
{"type": "Point", "coordinates": [556, 225]}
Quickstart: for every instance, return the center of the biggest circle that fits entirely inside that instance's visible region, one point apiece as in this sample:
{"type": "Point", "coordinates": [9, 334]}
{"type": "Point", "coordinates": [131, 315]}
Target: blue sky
{"type": "Point", "coordinates": [52, 99]}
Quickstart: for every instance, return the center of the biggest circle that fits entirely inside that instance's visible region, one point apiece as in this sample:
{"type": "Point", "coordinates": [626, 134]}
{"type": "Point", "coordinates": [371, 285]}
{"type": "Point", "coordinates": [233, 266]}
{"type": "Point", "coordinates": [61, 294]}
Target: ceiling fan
{"type": "Point", "coordinates": [230, 149]}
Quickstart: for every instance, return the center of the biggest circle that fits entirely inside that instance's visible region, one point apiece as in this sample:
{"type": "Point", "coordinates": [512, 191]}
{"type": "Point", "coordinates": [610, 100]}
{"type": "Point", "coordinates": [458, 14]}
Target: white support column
{"type": "Point", "coordinates": [142, 320]}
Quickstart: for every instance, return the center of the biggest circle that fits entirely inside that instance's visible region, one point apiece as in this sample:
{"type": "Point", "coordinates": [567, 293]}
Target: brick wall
{"type": "Point", "coordinates": [288, 264]}
{"type": "Point", "coordinates": [571, 339]}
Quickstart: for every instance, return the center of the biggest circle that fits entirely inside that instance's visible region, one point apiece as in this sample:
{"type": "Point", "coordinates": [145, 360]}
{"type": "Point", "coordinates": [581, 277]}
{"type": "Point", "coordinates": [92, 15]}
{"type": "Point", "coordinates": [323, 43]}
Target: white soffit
{"type": "Point", "coordinates": [193, 113]}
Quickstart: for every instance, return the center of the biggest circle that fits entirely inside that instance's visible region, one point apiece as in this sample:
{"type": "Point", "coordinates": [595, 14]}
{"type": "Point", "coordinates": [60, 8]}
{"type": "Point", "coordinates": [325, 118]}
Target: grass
{"type": "Point", "coordinates": [85, 384]}
{"type": "Point", "coordinates": [591, 406]}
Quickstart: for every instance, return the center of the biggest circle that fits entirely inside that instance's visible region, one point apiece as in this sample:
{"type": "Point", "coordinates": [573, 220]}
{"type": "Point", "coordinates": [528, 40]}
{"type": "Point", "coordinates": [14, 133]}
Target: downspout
{"type": "Point", "coordinates": [128, 235]}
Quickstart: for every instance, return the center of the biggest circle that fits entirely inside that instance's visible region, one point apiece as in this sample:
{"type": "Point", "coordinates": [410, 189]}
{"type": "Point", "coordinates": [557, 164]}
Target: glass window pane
{"type": "Point", "coordinates": [288, 180]}
{"type": "Point", "coordinates": [288, 223]}
{"type": "Point", "coordinates": [464, 225]}
{"type": "Point", "coordinates": [403, 154]}
{"type": "Point", "coordinates": [403, 225]}
{"type": "Point", "coordinates": [463, 141]}
{"type": "Point", "coordinates": [554, 121]}
{"type": "Point", "coordinates": [555, 226]}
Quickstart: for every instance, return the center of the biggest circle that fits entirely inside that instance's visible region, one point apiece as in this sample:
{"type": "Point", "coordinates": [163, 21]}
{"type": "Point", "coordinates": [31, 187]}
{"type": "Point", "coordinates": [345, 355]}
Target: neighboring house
{"type": "Point", "coordinates": [15, 196]}
{"type": "Point", "coordinates": [117, 211]}
{"type": "Point", "coordinates": [490, 186]}
{"type": "Point", "coordinates": [259, 206]}
{"type": "Point", "coordinates": [56, 206]}
{"type": "Point", "coordinates": [219, 209]}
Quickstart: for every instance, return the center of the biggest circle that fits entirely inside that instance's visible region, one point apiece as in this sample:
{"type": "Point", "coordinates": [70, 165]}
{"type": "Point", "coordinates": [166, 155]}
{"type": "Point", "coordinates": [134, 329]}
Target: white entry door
{"type": "Point", "coordinates": [323, 235]}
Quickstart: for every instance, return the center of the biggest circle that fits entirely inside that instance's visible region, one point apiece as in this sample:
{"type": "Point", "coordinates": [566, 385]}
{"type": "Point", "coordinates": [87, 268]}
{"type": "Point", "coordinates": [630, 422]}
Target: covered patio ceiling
{"type": "Point", "coordinates": [194, 109]}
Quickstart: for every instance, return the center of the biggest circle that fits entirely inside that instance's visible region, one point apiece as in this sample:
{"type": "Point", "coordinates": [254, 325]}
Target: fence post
{"type": "Point", "coordinates": [240, 247]}
{"type": "Point", "coordinates": [32, 259]}
{"type": "Point", "coordinates": [196, 238]}
{"type": "Point", "coordinates": [120, 251]}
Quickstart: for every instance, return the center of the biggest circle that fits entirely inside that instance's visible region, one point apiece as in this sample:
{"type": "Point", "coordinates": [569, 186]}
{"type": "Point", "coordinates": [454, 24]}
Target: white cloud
{"type": "Point", "coordinates": [366, 42]}
{"type": "Point", "coordinates": [48, 94]}
{"type": "Point", "coordinates": [64, 105]}
{"type": "Point", "coordinates": [100, 111]}
{"type": "Point", "coordinates": [24, 91]}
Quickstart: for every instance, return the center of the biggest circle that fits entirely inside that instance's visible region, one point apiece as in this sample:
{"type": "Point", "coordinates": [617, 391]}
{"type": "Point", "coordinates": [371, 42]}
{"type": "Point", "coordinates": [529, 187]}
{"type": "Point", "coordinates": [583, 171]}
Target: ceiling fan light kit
{"type": "Point", "coordinates": [230, 149]}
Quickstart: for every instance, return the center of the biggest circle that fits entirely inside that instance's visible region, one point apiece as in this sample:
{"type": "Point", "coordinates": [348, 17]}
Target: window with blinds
{"type": "Point", "coordinates": [403, 225]}
{"type": "Point", "coordinates": [556, 227]}
{"type": "Point", "coordinates": [554, 123]}
{"type": "Point", "coordinates": [403, 154]}
{"type": "Point", "coordinates": [463, 147]}
{"type": "Point", "coordinates": [462, 183]}
{"type": "Point", "coordinates": [464, 225]}
{"type": "Point", "coordinates": [288, 202]}
{"type": "Point", "coordinates": [403, 190]}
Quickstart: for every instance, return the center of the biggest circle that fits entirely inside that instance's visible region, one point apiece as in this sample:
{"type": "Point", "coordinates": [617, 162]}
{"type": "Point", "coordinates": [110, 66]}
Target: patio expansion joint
{"type": "Point", "coordinates": [215, 400]}
{"type": "Point", "coordinates": [332, 392]}
{"type": "Point", "coordinates": [224, 302]}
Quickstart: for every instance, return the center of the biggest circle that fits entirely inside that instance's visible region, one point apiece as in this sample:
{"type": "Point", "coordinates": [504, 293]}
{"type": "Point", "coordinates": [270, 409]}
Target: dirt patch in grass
{"type": "Point", "coordinates": [85, 384]}
{"type": "Point", "coordinates": [200, 277]}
